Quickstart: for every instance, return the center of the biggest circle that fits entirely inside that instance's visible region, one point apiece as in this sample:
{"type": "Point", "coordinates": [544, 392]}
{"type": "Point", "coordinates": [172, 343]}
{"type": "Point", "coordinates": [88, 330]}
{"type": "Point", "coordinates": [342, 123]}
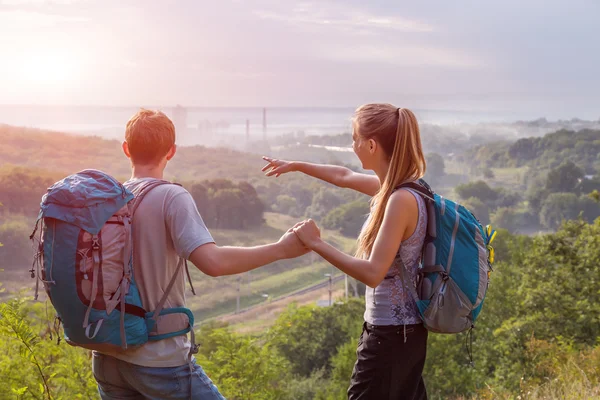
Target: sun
{"type": "Point", "coordinates": [47, 67]}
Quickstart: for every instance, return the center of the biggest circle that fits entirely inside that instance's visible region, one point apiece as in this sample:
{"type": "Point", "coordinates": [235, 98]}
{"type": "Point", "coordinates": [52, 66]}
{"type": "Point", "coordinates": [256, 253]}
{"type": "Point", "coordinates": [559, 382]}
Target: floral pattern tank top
{"type": "Point", "coordinates": [390, 303]}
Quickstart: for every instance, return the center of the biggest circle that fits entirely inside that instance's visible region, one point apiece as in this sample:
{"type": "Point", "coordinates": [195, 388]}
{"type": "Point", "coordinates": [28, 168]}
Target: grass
{"type": "Point", "coordinates": [218, 296]}
{"type": "Point", "coordinates": [262, 317]}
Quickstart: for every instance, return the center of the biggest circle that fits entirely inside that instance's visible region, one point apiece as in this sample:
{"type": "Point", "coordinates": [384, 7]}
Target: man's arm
{"type": "Point", "coordinates": [193, 241]}
{"type": "Point", "coordinates": [218, 261]}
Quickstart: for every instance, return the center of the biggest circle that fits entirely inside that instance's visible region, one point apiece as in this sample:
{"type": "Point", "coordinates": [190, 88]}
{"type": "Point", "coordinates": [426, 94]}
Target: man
{"type": "Point", "coordinates": [167, 226]}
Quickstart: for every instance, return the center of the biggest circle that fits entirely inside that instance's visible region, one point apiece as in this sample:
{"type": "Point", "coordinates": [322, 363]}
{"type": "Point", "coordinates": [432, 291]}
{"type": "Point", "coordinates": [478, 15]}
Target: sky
{"type": "Point", "coordinates": [538, 56]}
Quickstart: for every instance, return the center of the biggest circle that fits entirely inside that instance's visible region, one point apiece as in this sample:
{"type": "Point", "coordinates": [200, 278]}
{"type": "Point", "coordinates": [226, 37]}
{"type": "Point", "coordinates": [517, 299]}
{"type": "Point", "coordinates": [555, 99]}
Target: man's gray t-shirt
{"type": "Point", "coordinates": [166, 226]}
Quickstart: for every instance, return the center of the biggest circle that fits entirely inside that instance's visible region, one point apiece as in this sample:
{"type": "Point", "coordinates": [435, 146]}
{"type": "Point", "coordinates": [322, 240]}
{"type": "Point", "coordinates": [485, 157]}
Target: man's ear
{"type": "Point", "coordinates": [172, 152]}
{"type": "Point", "coordinates": [125, 147]}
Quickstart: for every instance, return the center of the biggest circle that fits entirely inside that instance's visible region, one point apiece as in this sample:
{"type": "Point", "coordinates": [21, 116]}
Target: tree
{"type": "Point", "coordinates": [286, 205]}
{"type": "Point", "coordinates": [252, 206]}
{"type": "Point", "coordinates": [488, 173]}
{"type": "Point", "coordinates": [506, 218]}
{"type": "Point", "coordinates": [556, 301]}
{"type": "Point", "coordinates": [202, 197]}
{"type": "Point", "coordinates": [228, 208]}
{"type": "Point", "coordinates": [243, 368]}
{"type": "Point", "coordinates": [302, 194]}
{"type": "Point", "coordinates": [226, 205]}
{"type": "Point", "coordinates": [523, 150]}
{"type": "Point", "coordinates": [507, 198]}
{"type": "Point", "coordinates": [16, 251]}
{"type": "Point", "coordinates": [478, 208]}
{"type": "Point", "coordinates": [590, 208]}
{"type": "Point", "coordinates": [309, 336]}
{"type": "Point", "coordinates": [435, 167]}
{"type": "Point", "coordinates": [478, 189]}
{"type": "Point", "coordinates": [323, 202]}
{"type": "Point", "coordinates": [559, 207]}
{"type": "Point", "coordinates": [565, 178]}
{"type": "Point", "coordinates": [348, 218]}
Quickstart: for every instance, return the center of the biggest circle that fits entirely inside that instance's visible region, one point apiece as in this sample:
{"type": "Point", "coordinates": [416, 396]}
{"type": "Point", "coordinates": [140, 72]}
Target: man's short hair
{"type": "Point", "coordinates": [149, 135]}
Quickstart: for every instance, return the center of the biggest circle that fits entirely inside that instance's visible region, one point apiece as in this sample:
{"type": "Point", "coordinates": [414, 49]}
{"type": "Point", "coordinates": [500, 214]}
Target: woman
{"type": "Point", "coordinates": [392, 347]}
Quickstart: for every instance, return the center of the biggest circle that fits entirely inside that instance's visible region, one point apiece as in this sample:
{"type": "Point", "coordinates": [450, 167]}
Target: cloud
{"type": "Point", "coordinates": [310, 15]}
{"type": "Point", "coordinates": [404, 55]}
{"type": "Point", "coordinates": [36, 2]}
{"type": "Point", "coordinates": [12, 20]}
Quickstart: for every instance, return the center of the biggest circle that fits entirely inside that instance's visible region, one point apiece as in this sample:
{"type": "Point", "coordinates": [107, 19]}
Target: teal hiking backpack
{"type": "Point", "coordinates": [455, 266]}
{"type": "Point", "coordinates": [85, 261]}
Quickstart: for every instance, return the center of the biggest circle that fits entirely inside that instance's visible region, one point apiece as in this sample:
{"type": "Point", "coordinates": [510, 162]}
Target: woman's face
{"type": "Point", "coordinates": [361, 149]}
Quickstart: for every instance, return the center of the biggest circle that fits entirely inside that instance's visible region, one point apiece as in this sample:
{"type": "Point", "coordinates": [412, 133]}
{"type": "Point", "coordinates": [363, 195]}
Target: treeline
{"type": "Point", "coordinates": [222, 203]}
{"type": "Point", "coordinates": [566, 193]}
{"type": "Point", "coordinates": [300, 196]}
{"type": "Point", "coordinates": [537, 338]}
{"type": "Point", "coordinates": [549, 151]}
{"type": "Point", "coordinates": [67, 154]}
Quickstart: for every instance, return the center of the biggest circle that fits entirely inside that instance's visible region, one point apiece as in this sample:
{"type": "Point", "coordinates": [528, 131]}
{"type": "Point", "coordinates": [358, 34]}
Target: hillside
{"type": "Point", "coordinates": [581, 147]}
{"type": "Point", "coordinates": [33, 159]}
{"type": "Point", "coordinates": [64, 154]}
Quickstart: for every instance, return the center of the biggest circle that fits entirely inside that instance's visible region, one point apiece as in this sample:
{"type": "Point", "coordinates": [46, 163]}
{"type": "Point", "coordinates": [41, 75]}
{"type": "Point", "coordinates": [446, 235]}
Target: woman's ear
{"type": "Point", "coordinates": [372, 146]}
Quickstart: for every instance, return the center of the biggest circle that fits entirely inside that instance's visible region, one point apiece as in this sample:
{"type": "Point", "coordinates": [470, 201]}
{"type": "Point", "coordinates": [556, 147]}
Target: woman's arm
{"type": "Point", "coordinates": [334, 174]}
{"type": "Point", "coordinates": [399, 222]}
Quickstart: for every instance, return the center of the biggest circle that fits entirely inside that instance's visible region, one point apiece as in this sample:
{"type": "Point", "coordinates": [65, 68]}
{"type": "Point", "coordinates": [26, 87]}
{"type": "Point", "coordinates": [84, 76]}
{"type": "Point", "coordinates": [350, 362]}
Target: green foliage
{"type": "Point", "coordinates": [436, 168]}
{"type": "Point", "coordinates": [558, 207]}
{"type": "Point", "coordinates": [488, 173]}
{"type": "Point", "coordinates": [224, 204]}
{"type": "Point", "coordinates": [348, 218]}
{"type": "Point", "coordinates": [21, 189]}
{"type": "Point", "coordinates": [478, 208]}
{"type": "Point", "coordinates": [343, 363]}
{"type": "Point", "coordinates": [244, 368]}
{"type": "Point", "coordinates": [479, 190]}
{"type": "Point", "coordinates": [67, 154]}
{"type": "Point", "coordinates": [14, 233]}
{"type": "Point", "coordinates": [565, 178]}
{"type": "Point", "coordinates": [514, 220]}
{"type": "Point", "coordinates": [323, 202]}
{"type": "Point", "coordinates": [33, 366]}
{"type": "Point", "coordinates": [544, 152]}
{"type": "Point", "coordinates": [309, 336]}
{"type": "Point", "coordinates": [286, 205]}
{"type": "Point", "coordinates": [311, 388]}
{"type": "Point", "coordinates": [565, 263]}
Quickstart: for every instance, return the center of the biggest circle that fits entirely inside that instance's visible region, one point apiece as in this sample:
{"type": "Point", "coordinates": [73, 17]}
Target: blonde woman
{"type": "Point", "coordinates": [392, 347]}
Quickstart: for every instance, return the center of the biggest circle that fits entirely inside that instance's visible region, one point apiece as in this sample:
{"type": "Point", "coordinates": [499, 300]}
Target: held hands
{"type": "Point", "coordinates": [308, 232]}
{"type": "Point", "coordinates": [276, 167]}
{"type": "Point", "coordinates": [300, 239]}
{"type": "Point", "coordinates": [292, 245]}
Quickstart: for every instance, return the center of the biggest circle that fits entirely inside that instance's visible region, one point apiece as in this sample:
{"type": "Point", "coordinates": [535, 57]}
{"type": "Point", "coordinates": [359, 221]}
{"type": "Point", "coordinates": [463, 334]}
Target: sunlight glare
{"type": "Point", "coordinates": [48, 67]}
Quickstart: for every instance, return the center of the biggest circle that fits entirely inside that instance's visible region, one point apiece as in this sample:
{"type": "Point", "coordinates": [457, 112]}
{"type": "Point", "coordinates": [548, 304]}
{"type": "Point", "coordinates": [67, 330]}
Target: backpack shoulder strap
{"type": "Point", "coordinates": [420, 187]}
{"type": "Point", "coordinates": [140, 193]}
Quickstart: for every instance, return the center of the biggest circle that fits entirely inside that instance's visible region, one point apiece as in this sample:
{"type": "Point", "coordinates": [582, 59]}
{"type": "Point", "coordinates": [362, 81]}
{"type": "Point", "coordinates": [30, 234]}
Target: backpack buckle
{"type": "Point", "coordinates": [95, 242]}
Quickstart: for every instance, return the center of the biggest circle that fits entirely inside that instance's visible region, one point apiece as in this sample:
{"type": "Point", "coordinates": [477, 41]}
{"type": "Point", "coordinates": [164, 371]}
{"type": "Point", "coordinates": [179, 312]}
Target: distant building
{"type": "Point", "coordinates": [180, 121]}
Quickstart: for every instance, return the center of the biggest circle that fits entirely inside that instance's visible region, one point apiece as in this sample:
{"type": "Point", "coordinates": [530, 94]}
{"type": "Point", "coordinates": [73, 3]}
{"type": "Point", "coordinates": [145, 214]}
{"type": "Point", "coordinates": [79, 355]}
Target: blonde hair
{"type": "Point", "coordinates": [149, 135]}
{"type": "Point", "coordinates": [396, 130]}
